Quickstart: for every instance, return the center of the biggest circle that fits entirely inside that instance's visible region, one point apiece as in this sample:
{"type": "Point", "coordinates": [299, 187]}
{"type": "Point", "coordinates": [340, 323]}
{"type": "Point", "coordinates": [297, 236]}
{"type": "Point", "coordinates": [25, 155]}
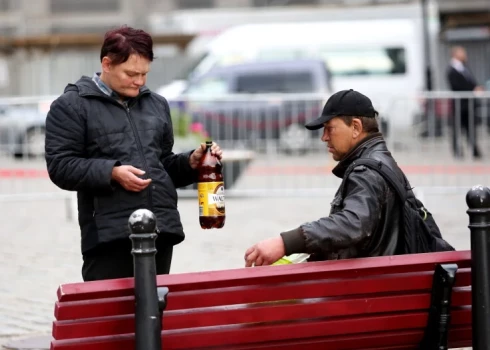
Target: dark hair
{"type": "Point", "coordinates": [369, 124]}
{"type": "Point", "coordinates": [121, 42]}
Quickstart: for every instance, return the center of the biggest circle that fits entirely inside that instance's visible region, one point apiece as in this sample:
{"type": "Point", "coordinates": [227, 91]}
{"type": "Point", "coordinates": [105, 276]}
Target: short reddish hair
{"type": "Point", "coordinates": [122, 42]}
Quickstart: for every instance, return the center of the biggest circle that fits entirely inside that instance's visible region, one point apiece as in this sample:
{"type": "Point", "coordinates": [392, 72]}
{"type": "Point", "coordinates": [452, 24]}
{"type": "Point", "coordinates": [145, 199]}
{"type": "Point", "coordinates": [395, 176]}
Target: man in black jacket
{"type": "Point", "coordinates": [461, 79]}
{"type": "Point", "coordinates": [365, 218]}
{"type": "Point", "coordinates": [110, 138]}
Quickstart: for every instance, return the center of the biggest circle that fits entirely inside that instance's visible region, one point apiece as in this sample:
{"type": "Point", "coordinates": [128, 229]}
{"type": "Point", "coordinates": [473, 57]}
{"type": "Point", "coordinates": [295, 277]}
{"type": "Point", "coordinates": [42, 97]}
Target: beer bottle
{"type": "Point", "coordinates": [211, 191]}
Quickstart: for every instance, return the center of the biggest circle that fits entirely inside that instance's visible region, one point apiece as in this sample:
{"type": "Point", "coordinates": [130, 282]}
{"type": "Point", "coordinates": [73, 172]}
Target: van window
{"type": "Point", "coordinates": [376, 61]}
{"type": "Point", "coordinates": [340, 62]}
{"type": "Point", "coordinates": [275, 82]}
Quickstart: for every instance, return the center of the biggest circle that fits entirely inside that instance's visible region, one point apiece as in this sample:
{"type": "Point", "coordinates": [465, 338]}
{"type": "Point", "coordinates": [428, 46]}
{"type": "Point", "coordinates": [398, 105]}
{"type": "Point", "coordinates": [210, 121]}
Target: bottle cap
{"type": "Point", "coordinates": [209, 143]}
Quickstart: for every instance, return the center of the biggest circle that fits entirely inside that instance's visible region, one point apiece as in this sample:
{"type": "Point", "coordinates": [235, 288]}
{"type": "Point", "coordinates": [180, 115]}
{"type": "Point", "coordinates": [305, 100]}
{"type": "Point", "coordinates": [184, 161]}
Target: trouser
{"type": "Point", "coordinates": [467, 127]}
{"type": "Point", "coordinates": [114, 260]}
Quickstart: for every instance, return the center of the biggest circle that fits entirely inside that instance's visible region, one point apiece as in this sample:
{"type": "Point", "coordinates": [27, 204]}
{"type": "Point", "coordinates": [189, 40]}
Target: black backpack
{"type": "Point", "coordinates": [422, 235]}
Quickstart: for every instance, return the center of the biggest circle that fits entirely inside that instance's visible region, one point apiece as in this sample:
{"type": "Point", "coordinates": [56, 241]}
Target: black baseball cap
{"type": "Point", "coordinates": [344, 103]}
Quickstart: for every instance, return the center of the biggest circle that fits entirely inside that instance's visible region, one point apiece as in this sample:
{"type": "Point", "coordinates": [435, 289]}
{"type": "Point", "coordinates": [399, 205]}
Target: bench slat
{"type": "Point", "coordinates": [459, 337]}
{"type": "Point", "coordinates": [252, 294]}
{"type": "Point", "coordinates": [255, 313]}
{"type": "Point", "coordinates": [227, 336]}
{"type": "Point", "coordinates": [414, 282]}
{"type": "Point", "coordinates": [349, 268]}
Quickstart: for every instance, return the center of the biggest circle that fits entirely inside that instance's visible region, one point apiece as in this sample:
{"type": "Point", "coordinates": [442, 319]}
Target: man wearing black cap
{"type": "Point", "coordinates": [365, 215]}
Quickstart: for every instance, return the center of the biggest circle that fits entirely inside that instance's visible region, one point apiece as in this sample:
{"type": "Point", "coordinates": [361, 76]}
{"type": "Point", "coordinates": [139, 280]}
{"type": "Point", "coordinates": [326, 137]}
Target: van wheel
{"type": "Point", "coordinates": [294, 139]}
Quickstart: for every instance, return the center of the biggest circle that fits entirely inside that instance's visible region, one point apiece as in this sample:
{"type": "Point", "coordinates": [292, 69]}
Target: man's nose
{"type": "Point", "coordinates": [325, 137]}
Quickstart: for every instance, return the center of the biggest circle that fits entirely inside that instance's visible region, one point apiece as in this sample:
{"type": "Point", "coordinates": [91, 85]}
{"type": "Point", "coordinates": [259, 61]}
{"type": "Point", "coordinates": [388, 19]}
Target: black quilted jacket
{"type": "Point", "coordinates": [88, 133]}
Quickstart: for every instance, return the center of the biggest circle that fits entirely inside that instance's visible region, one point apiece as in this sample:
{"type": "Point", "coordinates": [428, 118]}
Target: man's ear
{"type": "Point", "coordinates": [106, 64]}
{"type": "Point", "coordinates": [357, 127]}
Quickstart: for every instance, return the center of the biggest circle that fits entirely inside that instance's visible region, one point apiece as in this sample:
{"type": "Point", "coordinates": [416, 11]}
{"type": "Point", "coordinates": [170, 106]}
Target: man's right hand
{"type": "Point", "coordinates": [127, 177]}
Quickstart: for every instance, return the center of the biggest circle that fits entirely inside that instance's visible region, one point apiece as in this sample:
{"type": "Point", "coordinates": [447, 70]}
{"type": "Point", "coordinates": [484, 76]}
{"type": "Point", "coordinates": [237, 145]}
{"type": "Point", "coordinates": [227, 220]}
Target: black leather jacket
{"type": "Point", "coordinates": [364, 220]}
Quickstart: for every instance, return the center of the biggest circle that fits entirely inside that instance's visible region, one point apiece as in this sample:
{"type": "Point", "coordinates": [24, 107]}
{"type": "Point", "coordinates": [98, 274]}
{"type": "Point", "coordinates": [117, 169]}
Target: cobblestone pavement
{"type": "Point", "coordinates": [40, 247]}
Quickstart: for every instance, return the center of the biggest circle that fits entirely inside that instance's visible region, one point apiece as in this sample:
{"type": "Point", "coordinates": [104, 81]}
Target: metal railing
{"type": "Point", "coordinates": [267, 150]}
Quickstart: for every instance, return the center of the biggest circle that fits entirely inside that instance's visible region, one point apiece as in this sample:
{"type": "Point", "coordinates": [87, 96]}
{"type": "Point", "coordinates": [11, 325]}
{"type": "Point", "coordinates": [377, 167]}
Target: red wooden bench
{"type": "Point", "coordinates": [393, 302]}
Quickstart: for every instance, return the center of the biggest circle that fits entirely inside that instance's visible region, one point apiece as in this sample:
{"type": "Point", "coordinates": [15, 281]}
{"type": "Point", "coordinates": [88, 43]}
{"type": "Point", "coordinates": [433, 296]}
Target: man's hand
{"type": "Point", "coordinates": [126, 176]}
{"type": "Point", "coordinates": [196, 156]}
{"type": "Point", "coordinates": [265, 252]}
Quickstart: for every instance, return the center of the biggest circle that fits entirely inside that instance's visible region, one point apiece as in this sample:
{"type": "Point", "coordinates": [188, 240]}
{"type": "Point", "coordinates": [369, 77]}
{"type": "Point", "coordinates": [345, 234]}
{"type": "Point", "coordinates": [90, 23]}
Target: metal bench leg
{"type": "Point", "coordinates": [162, 293]}
{"type": "Point", "coordinates": [435, 337]}
{"type": "Point", "coordinates": [162, 299]}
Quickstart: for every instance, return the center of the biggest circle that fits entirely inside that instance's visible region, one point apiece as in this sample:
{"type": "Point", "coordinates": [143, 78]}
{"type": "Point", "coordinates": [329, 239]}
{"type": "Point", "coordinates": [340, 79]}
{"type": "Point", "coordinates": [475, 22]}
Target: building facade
{"type": "Point", "coordinates": [460, 22]}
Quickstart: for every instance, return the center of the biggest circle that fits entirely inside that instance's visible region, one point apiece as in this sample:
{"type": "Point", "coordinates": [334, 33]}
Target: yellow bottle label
{"type": "Point", "coordinates": [211, 196]}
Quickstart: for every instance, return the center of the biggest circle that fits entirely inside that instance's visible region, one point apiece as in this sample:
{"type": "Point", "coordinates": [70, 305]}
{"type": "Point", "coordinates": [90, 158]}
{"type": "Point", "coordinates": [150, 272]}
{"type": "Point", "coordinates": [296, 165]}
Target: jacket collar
{"type": "Point", "coordinates": [87, 87]}
{"type": "Point", "coordinates": [367, 143]}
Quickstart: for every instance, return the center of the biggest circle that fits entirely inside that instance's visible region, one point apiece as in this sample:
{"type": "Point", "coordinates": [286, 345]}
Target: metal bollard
{"type": "Point", "coordinates": [142, 225]}
{"type": "Point", "coordinates": [478, 201]}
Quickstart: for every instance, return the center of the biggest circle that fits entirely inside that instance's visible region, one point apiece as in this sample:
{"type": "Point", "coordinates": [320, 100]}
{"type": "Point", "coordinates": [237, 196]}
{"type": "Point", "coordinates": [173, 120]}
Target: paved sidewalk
{"type": "Point", "coordinates": [40, 248]}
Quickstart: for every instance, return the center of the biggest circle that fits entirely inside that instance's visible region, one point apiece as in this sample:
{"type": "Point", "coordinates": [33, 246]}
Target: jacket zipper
{"type": "Point", "coordinates": [138, 142]}
{"type": "Point", "coordinates": [140, 148]}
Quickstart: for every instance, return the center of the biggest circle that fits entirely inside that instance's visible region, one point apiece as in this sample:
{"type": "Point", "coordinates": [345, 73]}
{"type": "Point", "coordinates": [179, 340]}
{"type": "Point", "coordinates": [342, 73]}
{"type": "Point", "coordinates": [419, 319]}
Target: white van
{"type": "Point", "coordinates": [379, 58]}
{"type": "Point", "coordinates": [378, 51]}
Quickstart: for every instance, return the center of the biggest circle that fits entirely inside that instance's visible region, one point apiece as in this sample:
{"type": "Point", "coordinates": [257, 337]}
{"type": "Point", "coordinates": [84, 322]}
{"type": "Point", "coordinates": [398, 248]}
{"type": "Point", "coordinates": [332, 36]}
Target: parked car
{"type": "Point", "coordinates": [260, 101]}
{"type": "Point", "coordinates": [22, 129]}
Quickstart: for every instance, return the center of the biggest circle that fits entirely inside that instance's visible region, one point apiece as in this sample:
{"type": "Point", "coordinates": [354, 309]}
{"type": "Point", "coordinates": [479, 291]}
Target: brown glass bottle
{"type": "Point", "coordinates": [211, 191]}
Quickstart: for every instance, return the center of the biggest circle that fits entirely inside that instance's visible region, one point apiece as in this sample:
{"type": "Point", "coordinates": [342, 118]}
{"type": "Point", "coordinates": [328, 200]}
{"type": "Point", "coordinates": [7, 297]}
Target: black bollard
{"type": "Point", "coordinates": [148, 326]}
{"type": "Point", "coordinates": [478, 201]}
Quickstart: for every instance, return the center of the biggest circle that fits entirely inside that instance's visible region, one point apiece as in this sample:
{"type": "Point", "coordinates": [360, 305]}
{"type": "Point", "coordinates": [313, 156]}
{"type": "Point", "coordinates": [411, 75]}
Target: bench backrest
{"type": "Point", "coordinates": [378, 302]}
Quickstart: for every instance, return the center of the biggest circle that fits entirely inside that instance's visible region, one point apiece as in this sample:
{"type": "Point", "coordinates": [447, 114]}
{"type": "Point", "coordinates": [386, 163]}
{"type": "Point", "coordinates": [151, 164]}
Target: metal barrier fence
{"type": "Point", "coordinates": [268, 152]}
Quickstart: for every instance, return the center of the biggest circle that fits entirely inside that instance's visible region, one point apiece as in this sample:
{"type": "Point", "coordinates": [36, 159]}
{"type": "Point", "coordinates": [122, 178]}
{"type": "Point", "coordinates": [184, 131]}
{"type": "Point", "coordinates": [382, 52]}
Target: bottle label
{"type": "Point", "coordinates": [211, 197]}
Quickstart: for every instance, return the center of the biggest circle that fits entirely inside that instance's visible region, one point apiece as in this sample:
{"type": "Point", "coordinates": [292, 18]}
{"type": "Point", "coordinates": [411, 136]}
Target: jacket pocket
{"type": "Point", "coordinates": [163, 189]}
{"type": "Point", "coordinates": [106, 204]}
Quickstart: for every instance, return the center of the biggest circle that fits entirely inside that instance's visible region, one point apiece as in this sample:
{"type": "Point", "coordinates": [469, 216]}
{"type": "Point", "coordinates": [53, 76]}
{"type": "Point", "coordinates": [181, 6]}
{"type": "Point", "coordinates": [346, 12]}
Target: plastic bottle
{"type": "Point", "coordinates": [211, 191]}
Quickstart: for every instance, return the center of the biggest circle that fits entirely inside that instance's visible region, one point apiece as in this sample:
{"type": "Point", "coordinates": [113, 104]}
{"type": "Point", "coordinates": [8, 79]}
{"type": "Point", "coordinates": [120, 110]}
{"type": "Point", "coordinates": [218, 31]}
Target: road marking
{"type": "Point", "coordinates": [407, 169]}
{"type": "Point", "coordinates": [6, 173]}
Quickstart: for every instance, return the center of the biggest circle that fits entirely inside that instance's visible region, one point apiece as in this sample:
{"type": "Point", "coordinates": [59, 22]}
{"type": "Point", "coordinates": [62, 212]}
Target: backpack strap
{"type": "Point", "coordinates": [386, 172]}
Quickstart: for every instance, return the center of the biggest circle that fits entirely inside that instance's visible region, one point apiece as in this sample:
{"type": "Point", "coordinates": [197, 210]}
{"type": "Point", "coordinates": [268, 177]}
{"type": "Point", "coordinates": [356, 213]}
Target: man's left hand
{"type": "Point", "coordinates": [196, 156]}
{"type": "Point", "coordinates": [265, 252]}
